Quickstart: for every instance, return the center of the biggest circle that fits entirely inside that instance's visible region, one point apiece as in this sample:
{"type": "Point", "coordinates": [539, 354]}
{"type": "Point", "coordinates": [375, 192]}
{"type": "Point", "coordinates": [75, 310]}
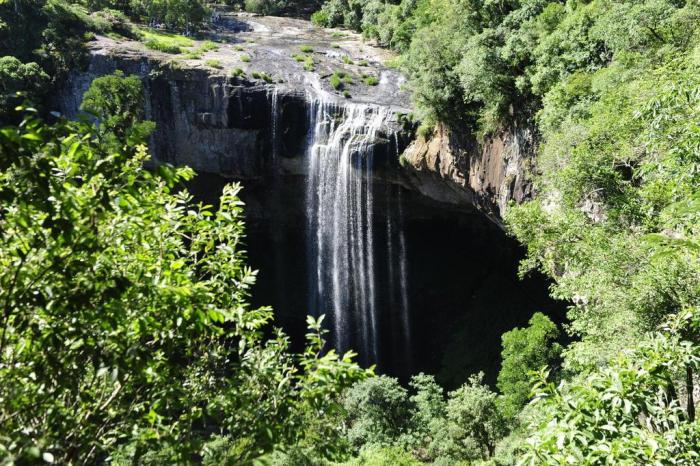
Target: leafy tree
{"type": "Point", "coordinates": [118, 102]}
{"type": "Point", "coordinates": [627, 413]}
{"type": "Point", "coordinates": [428, 400]}
{"type": "Point", "coordinates": [378, 412]}
{"type": "Point", "coordinates": [525, 350]}
{"type": "Point", "coordinates": [15, 76]}
{"type": "Point", "coordinates": [475, 421]}
{"type": "Point", "coordinates": [125, 319]}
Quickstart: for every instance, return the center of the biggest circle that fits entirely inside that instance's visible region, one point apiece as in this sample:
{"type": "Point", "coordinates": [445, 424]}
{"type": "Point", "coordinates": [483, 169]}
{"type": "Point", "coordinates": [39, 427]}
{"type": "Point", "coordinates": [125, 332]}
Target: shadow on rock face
{"type": "Point", "coordinates": [461, 279]}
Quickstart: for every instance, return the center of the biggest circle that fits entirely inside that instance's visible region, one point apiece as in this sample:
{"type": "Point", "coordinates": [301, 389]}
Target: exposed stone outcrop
{"type": "Point", "coordinates": [455, 168]}
{"type": "Point", "coordinates": [231, 122]}
{"type": "Point", "coordinates": [222, 114]}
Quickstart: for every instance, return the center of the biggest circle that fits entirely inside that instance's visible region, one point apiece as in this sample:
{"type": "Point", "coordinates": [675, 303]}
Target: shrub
{"type": "Point", "coordinates": [264, 7]}
{"type": "Point", "coordinates": [371, 80]}
{"type": "Point", "coordinates": [116, 21]}
{"type": "Point", "coordinates": [425, 130]}
{"type": "Point", "coordinates": [378, 411]}
{"type": "Point", "coordinates": [336, 81]}
{"type": "Point", "coordinates": [154, 44]}
{"type": "Point", "coordinates": [306, 49]}
{"type": "Point", "coordinates": [245, 58]}
{"type": "Point", "coordinates": [213, 63]}
{"type": "Point", "coordinates": [474, 419]}
{"type": "Point", "coordinates": [321, 18]}
{"type": "Point", "coordinates": [525, 350]}
{"type": "Point", "coordinates": [208, 46]}
{"type": "Point", "coordinates": [16, 76]}
{"type": "Point", "coordinates": [262, 75]}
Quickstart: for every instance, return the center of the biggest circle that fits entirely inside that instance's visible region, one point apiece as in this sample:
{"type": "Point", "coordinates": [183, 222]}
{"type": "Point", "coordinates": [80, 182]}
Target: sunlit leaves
{"type": "Point", "coordinates": [627, 413]}
{"type": "Point", "coordinates": [125, 326]}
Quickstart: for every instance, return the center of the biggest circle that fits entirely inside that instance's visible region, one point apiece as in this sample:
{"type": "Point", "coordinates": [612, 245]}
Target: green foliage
{"type": "Point", "coordinates": [525, 350]}
{"type": "Point", "coordinates": [238, 72]}
{"type": "Point", "coordinates": [321, 18]}
{"type": "Point", "coordinates": [428, 409]}
{"type": "Point", "coordinates": [336, 81]}
{"type": "Point", "coordinates": [214, 63]}
{"type": "Point", "coordinates": [339, 79]}
{"type": "Point", "coordinates": [117, 22]}
{"type": "Point", "coordinates": [425, 130]}
{"type": "Point", "coordinates": [371, 80]}
{"type": "Point", "coordinates": [177, 15]}
{"type": "Point", "coordinates": [463, 427]}
{"type": "Point", "coordinates": [375, 455]}
{"type": "Point", "coordinates": [15, 76]}
{"type": "Point", "coordinates": [307, 59]}
{"type": "Point", "coordinates": [378, 411]}
{"type": "Point", "coordinates": [263, 76]}
{"type": "Point", "coordinates": [278, 7]}
{"type": "Point", "coordinates": [165, 42]}
{"type": "Point", "coordinates": [125, 324]}
{"type": "Point", "coordinates": [118, 102]}
{"type": "Point", "coordinates": [474, 420]}
{"type": "Point", "coordinates": [613, 165]}
{"type": "Point", "coordinates": [627, 413]}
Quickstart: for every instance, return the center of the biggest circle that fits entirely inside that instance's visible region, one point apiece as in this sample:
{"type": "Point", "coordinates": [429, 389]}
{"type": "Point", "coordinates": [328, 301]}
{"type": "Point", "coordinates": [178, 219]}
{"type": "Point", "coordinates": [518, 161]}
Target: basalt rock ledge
{"type": "Point", "coordinates": [241, 111]}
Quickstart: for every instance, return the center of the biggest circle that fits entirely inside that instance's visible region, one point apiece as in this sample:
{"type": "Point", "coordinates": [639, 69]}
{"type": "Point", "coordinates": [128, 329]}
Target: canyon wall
{"type": "Point", "coordinates": [455, 168]}
{"type": "Point", "coordinates": [233, 126]}
{"type": "Point", "coordinates": [397, 240]}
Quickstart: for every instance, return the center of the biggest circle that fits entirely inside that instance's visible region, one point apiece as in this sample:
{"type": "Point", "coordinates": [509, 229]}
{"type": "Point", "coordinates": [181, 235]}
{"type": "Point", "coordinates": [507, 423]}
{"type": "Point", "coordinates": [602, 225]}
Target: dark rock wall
{"type": "Point", "coordinates": [455, 168]}
{"type": "Point", "coordinates": [218, 124]}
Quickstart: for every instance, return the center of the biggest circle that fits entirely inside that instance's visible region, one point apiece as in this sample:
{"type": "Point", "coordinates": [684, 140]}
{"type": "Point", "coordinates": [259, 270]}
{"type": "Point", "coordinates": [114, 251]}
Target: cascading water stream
{"type": "Point", "coordinates": [273, 96]}
{"type": "Point", "coordinates": [340, 201]}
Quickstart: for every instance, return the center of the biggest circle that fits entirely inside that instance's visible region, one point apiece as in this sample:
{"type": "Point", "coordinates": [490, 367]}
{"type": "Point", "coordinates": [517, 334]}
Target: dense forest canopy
{"type": "Point", "coordinates": [126, 336]}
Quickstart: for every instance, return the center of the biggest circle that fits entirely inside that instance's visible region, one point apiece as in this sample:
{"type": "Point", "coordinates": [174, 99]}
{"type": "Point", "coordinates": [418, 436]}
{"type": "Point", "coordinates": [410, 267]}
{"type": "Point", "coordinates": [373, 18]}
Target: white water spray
{"type": "Point", "coordinates": [273, 97]}
{"type": "Point", "coordinates": [340, 203]}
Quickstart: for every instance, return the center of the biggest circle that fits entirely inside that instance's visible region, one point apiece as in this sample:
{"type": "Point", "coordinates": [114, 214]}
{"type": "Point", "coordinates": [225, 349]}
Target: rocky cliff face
{"type": "Point", "coordinates": [424, 261]}
{"type": "Point", "coordinates": [241, 111]}
{"type": "Point", "coordinates": [225, 114]}
{"type": "Point", "coordinates": [456, 169]}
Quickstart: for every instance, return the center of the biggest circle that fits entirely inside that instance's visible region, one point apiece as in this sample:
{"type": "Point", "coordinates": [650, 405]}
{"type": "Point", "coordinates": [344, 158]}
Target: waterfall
{"type": "Point", "coordinates": [273, 97]}
{"type": "Point", "coordinates": [340, 210]}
